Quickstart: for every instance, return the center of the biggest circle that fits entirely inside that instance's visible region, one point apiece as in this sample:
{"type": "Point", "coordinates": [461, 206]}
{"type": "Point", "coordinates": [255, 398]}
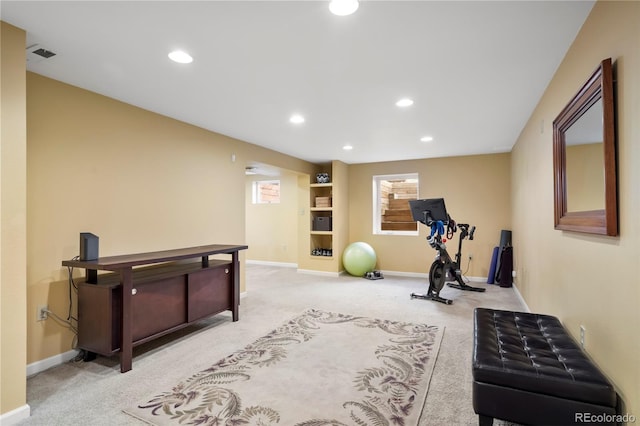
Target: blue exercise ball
{"type": "Point", "coordinates": [359, 258]}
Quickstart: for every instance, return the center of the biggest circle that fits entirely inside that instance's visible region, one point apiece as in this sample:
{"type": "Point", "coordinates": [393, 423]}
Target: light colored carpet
{"type": "Point", "coordinates": [95, 393]}
{"type": "Point", "coordinates": [320, 368]}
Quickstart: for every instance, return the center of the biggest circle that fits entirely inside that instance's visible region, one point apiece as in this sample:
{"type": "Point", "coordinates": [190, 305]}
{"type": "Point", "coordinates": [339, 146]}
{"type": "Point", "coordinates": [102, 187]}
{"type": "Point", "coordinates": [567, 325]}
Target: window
{"type": "Point", "coordinates": [391, 212]}
{"type": "Point", "coordinates": [266, 191]}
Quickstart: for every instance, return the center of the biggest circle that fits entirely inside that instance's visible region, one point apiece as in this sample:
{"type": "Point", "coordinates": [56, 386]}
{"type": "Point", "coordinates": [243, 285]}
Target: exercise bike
{"type": "Point", "coordinates": [433, 213]}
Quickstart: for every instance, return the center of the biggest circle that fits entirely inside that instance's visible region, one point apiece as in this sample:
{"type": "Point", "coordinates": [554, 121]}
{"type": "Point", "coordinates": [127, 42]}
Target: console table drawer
{"type": "Point", "coordinates": [99, 310]}
{"type": "Point", "coordinates": [209, 292]}
{"type": "Point", "coordinates": [158, 306]}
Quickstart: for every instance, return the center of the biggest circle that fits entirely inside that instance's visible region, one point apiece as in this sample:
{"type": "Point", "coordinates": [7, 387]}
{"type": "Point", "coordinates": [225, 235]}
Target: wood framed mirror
{"type": "Point", "coordinates": [584, 158]}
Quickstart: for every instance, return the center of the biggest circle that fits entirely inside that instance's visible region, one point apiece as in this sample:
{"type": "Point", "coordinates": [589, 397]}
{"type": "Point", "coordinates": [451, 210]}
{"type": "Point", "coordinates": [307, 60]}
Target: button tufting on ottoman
{"type": "Point", "coordinates": [527, 369]}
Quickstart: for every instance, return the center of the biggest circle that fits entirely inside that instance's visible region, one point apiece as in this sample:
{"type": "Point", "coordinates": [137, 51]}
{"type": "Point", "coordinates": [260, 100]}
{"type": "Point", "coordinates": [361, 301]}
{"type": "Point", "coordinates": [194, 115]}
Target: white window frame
{"type": "Point", "coordinates": [257, 191]}
{"type": "Point", "coordinates": [377, 210]}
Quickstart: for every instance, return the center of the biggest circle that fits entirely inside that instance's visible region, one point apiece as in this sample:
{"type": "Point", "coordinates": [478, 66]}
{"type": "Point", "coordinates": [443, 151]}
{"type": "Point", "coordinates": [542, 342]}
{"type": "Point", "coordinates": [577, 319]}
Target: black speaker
{"type": "Point", "coordinates": [89, 246]}
{"type": "Point", "coordinates": [89, 251]}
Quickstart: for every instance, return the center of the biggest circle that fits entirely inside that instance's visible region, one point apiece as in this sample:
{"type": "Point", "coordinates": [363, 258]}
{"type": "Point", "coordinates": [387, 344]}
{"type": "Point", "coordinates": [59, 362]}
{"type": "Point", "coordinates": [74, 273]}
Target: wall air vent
{"type": "Point", "coordinates": [36, 53]}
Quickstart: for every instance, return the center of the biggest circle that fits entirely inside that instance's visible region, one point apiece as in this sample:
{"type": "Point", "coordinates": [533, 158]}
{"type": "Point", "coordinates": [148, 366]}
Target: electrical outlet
{"type": "Point", "coordinates": [42, 313]}
{"type": "Point", "coordinates": [470, 256]}
{"type": "Point", "coordinates": [583, 331]}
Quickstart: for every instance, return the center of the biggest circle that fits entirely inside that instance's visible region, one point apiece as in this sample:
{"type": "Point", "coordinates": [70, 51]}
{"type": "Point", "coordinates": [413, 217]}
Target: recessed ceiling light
{"type": "Point", "coordinates": [347, 147]}
{"type": "Point", "coordinates": [426, 138]}
{"type": "Point", "coordinates": [296, 119]}
{"type": "Point", "coordinates": [404, 102]}
{"type": "Point", "coordinates": [343, 7]}
{"type": "Point", "coordinates": [180, 57]}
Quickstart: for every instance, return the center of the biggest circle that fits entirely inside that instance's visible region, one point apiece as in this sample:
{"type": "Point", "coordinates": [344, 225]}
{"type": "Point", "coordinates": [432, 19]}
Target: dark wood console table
{"type": "Point", "coordinates": [148, 295]}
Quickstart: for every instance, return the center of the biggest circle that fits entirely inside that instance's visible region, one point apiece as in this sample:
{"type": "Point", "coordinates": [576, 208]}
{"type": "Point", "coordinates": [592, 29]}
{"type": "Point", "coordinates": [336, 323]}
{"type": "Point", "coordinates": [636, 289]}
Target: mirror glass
{"type": "Point", "coordinates": [584, 158]}
{"type": "Point", "coordinates": [584, 161]}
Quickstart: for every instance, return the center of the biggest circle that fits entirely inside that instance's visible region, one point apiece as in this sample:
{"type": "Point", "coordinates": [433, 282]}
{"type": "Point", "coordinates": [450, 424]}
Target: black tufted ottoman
{"type": "Point", "coordinates": [528, 370]}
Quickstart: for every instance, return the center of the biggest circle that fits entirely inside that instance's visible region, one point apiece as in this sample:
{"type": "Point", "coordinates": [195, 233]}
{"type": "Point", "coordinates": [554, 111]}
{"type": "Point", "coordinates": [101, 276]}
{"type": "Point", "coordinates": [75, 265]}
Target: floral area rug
{"type": "Point", "coordinates": [318, 369]}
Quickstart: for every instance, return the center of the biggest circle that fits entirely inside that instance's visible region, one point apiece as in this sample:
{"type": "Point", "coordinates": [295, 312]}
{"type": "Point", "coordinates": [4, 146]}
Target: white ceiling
{"type": "Point", "coordinates": [475, 70]}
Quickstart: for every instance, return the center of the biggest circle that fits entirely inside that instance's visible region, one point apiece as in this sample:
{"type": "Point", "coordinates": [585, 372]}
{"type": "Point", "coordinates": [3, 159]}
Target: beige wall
{"type": "Point", "coordinates": [269, 226]}
{"type": "Point", "coordinates": [476, 191]}
{"type": "Point", "coordinates": [13, 221]}
{"type": "Point", "coordinates": [341, 207]}
{"type": "Point", "coordinates": [586, 279]}
{"type": "Point", "coordinates": [138, 180]}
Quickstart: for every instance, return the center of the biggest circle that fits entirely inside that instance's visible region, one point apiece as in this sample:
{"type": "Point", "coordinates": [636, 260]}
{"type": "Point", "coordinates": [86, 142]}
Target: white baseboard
{"type": "Point", "coordinates": [406, 274]}
{"type": "Point", "coordinates": [515, 289]}
{"type": "Point", "coordinates": [336, 274]}
{"type": "Point", "coordinates": [426, 276]}
{"type": "Point", "coordinates": [294, 265]}
{"type": "Point", "coordinates": [324, 273]}
{"type": "Point", "coordinates": [45, 364]}
{"type": "Point", "coordinates": [14, 416]}
{"type": "Point", "coordinates": [268, 263]}
{"type": "Point", "coordinates": [291, 265]}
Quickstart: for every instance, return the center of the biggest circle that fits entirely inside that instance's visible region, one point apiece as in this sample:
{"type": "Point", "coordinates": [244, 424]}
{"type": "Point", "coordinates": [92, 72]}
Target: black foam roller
{"type": "Point", "coordinates": [505, 238]}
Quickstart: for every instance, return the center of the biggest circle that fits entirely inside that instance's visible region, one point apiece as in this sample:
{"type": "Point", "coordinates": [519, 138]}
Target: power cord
{"type": "Point", "coordinates": [464, 278]}
{"type": "Point", "coordinates": [62, 321]}
{"type": "Point", "coordinates": [72, 285]}
{"type": "Point", "coordinates": [68, 323]}
{"type": "Point", "coordinates": [65, 323]}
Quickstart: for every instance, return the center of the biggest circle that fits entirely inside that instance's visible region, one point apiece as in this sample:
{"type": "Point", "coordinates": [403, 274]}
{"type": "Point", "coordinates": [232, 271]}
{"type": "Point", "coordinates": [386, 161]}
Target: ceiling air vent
{"type": "Point", "coordinates": [36, 53]}
{"type": "Point", "coordinates": [44, 53]}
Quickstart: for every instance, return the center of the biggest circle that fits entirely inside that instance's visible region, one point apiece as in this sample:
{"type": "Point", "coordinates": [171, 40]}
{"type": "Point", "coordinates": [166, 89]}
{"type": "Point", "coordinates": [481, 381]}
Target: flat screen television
{"type": "Point", "coordinates": [425, 210]}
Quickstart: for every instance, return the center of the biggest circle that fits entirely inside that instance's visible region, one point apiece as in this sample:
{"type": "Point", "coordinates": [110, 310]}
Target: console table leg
{"type": "Point", "coordinates": [235, 280]}
{"type": "Point", "coordinates": [126, 345]}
